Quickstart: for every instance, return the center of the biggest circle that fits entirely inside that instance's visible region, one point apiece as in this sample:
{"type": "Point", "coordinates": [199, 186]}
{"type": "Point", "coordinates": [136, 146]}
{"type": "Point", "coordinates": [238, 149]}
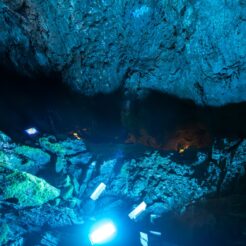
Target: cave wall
{"type": "Point", "coordinates": [191, 49]}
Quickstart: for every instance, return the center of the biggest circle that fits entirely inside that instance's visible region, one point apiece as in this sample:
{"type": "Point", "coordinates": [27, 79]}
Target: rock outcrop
{"type": "Point", "coordinates": [26, 189]}
{"type": "Point", "coordinates": [191, 49]}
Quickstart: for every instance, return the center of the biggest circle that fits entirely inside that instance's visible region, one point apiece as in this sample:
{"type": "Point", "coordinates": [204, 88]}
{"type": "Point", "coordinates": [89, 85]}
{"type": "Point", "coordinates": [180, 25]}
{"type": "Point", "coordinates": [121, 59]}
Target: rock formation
{"type": "Point", "coordinates": [58, 195]}
{"type": "Point", "coordinates": [191, 49]}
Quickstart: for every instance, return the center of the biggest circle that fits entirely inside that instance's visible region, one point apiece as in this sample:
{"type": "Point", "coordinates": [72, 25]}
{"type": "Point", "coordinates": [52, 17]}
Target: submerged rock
{"type": "Point", "coordinates": [191, 49]}
{"type": "Point", "coordinates": [22, 157]}
{"type": "Point", "coordinates": [26, 189]}
{"type": "Point", "coordinates": [81, 159]}
{"type": "Point", "coordinates": [67, 147]}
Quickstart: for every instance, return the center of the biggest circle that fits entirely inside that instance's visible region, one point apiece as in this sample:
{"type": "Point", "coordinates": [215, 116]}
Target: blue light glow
{"type": "Point", "coordinates": [103, 233]}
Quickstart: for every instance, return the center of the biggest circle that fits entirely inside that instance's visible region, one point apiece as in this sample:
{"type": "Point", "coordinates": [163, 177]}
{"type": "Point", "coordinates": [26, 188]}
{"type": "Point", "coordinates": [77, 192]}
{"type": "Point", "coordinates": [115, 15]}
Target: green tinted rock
{"type": "Point", "coordinates": [62, 148]}
{"type": "Point", "coordinates": [4, 138]}
{"type": "Point", "coordinates": [34, 154]}
{"type": "Point", "coordinates": [28, 189]}
{"type": "Point", "coordinates": [24, 158]}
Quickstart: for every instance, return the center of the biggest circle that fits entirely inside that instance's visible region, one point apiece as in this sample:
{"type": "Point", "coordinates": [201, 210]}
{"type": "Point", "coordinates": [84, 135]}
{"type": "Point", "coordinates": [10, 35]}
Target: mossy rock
{"type": "Point", "coordinates": [26, 188]}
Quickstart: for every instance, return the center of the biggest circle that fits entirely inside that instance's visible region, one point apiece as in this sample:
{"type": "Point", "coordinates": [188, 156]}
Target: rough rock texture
{"type": "Point", "coordinates": [191, 49]}
{"type": "Point", "coordinates": [26, 189]}
{"type": "Point", "coordinates": [59, 195]}
{"type": "Point", "coordinates": [167, 185]}
{"type": "Point", "coordinates": [24, 158]}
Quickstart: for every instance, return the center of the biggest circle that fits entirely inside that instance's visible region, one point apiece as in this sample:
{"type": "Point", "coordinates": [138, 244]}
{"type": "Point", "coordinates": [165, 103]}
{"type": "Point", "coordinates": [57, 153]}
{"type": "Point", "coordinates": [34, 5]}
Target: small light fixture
{"type": "Point", "coordinates": [144, 239]}
{"type": "Point", "coordinates": [156, 233]}
{"type": "Point", "coordinates": [102, 233]}
{"type": "Point", "coordinates": [138, 210]}
{"type": "Point", "coordinates": [98, 191]}
{"type": "Point", "coordinates": [76, 135]}
{"type": "Point", "coordinates": [31, 131]}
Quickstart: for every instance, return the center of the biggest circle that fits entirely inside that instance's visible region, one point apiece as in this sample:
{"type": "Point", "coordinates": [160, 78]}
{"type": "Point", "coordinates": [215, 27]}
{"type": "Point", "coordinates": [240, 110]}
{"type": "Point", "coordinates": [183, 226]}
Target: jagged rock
{"type": "Point", "coordinates": [191, 49]}
{"type": "Point", "coordinates": [67, 147]}
{"type": "Point", "coordinates": [4, 138]}
{"type": "Point", "coordinates": [24, 158]}
{"type": "Point", "coordinates": [81, 159]}
{"type": "Point", "coordinates": [155, 178]}
{"type": "Point", "coordinates": [36, 158]}
{"type": "Point", "coordinates": [11, 159]}
{"type": "Point", "coordinates": [34, 154]}
{"type": "Point", "coordinates": [167, 186]}
{"type": "Point", "coordinates": [234, 165]}
{"type": "Point", "coordinates": [21, 157]}
{"type": "Point", "coordinates": [52, 216]}
{"type": "Point", "coordinates": [27, 189]}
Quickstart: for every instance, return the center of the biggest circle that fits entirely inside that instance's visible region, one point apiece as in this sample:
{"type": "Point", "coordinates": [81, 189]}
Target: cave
{"type": "Point", "coordinates": [122, 123]}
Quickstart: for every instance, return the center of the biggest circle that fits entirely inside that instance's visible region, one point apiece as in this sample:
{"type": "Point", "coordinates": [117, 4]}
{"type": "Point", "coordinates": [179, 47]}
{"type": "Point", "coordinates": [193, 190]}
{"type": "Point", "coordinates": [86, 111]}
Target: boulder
{"type": "Point", "coordinates": [25, 189]}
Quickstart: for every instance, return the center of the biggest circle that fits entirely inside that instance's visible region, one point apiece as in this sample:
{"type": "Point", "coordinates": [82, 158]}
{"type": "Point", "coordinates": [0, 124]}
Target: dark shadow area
{"type": "Point", "coordinates": [157, 121]}
{"type": "Point", "coordinates": [51, 107]}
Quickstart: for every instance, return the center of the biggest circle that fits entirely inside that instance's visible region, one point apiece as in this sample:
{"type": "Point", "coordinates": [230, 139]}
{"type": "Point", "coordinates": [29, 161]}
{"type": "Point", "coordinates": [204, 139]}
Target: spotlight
{"type": "Point", "coordinates": [31, 131]}
{"type": "Point", "coordinates": [103, 233]}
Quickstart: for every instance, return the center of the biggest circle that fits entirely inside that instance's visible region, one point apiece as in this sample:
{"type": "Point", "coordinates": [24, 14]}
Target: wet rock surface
{"type": "Point", "coordinates": [191, 49]}
{"type": "Point", "coordinates": [58, 196]}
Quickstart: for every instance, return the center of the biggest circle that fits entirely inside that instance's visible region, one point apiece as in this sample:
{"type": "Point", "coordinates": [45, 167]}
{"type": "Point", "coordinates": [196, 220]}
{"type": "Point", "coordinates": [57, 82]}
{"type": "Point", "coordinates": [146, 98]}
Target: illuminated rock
{"type": "Point", "coordinates": [190, 49]}
{"type": "Point", "coordinates": [27, 189]}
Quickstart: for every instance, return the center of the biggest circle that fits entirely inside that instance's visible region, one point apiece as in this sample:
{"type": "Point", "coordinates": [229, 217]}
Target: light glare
{"type": "Point", "coordinates": [103, 233]}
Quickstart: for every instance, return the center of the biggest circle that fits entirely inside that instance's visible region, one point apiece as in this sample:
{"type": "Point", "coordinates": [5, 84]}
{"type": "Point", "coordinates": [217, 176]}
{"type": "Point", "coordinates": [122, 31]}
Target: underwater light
{"type": "Point", "coordinates": [76, 135]}
{"type": "Point", "coordinates": [156, 233]}
{"type": "Point", "coordinates": [138, 210]}
{"type": "Point", "coordinates": [98, 191]}
{"type": "Point", "coordinates": [144, 239]}
{"type": "Point", "coordinates": [31, 131]}
{"type": "Point", "coordinates": [103, 233]}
